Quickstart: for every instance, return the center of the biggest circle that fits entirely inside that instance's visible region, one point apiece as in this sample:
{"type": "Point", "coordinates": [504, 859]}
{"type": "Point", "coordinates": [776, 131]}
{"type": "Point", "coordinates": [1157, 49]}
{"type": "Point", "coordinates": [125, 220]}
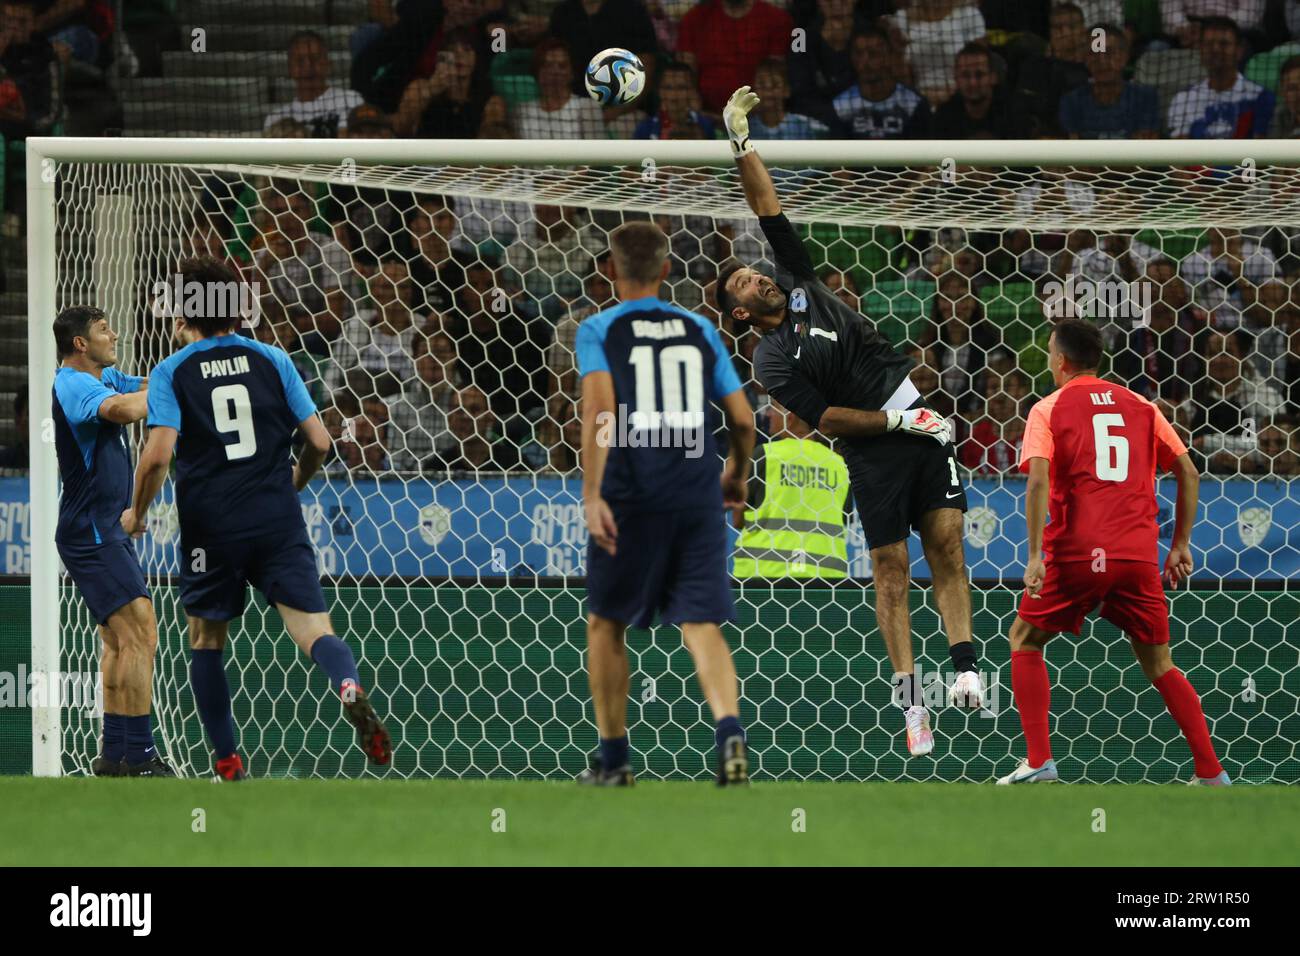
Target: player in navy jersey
{"type": "Point", "coordinates": [654, 496]}
{"type": "Point", "coordinates": [229, 406]}
{"type": "Point", "coordinates": [92, 405]}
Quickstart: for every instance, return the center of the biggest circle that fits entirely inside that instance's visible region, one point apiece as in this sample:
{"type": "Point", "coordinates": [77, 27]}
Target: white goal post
{"type": "Point", "coordinates": [1039, 186]}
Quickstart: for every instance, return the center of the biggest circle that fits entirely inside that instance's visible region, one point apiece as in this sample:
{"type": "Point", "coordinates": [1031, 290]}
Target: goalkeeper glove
{"type": "Point", "coordinates": [735, 116]}
{"type": "Point", "coordinates": [919, 421]}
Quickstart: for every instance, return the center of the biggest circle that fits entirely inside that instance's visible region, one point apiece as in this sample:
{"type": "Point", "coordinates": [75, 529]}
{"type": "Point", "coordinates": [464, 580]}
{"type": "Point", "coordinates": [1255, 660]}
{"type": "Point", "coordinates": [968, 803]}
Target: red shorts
{"type": "Point", "coordinates": [1131, 595]}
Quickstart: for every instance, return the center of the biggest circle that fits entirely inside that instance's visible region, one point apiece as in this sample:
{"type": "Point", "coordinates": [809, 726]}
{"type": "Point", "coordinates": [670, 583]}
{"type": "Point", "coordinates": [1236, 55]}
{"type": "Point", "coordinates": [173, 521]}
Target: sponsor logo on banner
{"type": "Point", "coordinates": [435, 522]}
{"type": "Point", "coordinates": [1253, 524]}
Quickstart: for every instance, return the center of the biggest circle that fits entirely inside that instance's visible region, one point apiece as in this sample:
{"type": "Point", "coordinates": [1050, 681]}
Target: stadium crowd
{"type": "Point", "coordinates": [437, 332]}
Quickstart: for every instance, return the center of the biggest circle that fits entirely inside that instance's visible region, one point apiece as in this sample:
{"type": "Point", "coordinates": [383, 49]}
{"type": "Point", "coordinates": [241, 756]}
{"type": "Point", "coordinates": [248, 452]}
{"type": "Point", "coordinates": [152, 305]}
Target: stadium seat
{"type": "Point", "coordinates": [900, 310]}
{"type": "Point", "coordinates": [1264, 68]}
{"type": "Point", "coordinates": [512, 76]}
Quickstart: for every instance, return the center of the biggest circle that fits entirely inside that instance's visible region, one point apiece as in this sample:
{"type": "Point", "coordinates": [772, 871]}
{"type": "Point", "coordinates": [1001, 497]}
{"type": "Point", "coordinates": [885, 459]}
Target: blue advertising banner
{"type": "Point", "coordinates": [494, 527]}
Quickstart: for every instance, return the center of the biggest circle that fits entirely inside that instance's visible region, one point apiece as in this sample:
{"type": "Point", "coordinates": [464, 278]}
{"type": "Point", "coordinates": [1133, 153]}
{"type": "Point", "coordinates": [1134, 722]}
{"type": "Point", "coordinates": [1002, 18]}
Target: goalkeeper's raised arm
{"type": "Point", "coordinates": [754, 177]}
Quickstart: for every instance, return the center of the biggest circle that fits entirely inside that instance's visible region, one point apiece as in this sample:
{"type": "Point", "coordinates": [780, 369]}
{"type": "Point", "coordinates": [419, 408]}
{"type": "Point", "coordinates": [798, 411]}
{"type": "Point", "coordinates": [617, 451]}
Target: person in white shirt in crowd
{"type": "Point", "coordinates": [1225, 274]}
{"type": "Point", "coordinates": [558, 112]}
{"type": "Point", "coordinates": [1225, 105]}
{"type": "Point", "coordinates": [934, 32]}
{"type": "Point", "coordinates": [322, 108]}
{"type": "Point", "coordinates": [380, 337]}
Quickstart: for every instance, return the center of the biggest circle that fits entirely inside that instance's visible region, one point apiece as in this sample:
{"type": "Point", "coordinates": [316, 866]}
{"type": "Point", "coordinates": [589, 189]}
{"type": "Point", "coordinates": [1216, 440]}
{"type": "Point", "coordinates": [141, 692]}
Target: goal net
{"type": "Point", "coordinates": [429, 294]}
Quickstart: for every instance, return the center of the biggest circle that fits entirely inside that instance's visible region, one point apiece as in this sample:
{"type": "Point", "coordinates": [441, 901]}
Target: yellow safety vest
{"type": "Point", "coordinates": [798, 530]}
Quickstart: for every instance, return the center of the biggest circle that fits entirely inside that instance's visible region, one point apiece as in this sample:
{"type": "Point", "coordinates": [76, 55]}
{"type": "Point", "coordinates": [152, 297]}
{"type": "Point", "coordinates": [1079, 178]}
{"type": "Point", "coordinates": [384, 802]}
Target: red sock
{"type": "Point", "coordinates": [1185, 707]}
{"type": "Point", "coordinates": [1033, 696]}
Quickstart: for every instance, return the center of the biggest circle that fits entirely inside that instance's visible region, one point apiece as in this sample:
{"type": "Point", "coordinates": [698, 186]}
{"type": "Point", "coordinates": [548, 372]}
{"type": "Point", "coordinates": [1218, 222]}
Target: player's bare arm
{"type": "Point", "coordinates": [597, 398]}
{"type": "Point", "coordinates": [1036, 519]}
{"type": "Point", "coordinates": [315, 447]}
{"type": "Point", "coordinates": [1178, 564]}
{"type": "Point", "coordinates": [150, 473]}
{"type": "Point", "coordinates": [735, 473]}
{"type": "Point", "coordinates": [125, 409]}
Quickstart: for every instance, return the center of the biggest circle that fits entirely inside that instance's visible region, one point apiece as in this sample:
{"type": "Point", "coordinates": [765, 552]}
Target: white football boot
{"type": "Point", "coordinates": [1027, 774]}
{"type": "Point", "coordinates": [967, 691]}
{"type": "Point", "coordinates": [920, 741]}
{"type": "Point", "coordinates": [1220, 781]}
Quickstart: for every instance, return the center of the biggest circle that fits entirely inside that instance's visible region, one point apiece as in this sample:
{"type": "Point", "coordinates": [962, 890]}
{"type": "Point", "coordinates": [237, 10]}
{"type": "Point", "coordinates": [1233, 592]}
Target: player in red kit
{"type": "Point", "coordinates": [1091, 449]}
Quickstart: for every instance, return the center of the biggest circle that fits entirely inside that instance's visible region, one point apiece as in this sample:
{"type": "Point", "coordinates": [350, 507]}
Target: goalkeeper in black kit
{"type": "Point", "coordinates": [828, 365]}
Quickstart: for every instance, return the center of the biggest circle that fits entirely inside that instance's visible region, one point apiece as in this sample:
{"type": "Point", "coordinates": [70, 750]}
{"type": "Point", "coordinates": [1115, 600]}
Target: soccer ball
{"type": "Point", "coordinates": [615, 77]}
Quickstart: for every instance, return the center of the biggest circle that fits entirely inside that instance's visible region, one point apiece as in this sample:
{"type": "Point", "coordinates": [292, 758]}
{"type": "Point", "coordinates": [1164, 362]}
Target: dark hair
{"type": "Point", "coordinates": [726, 302]}
{"type": "Point", "coordinates": [773, 63]}
{"type": "Point", "coordinates": [1080, 342]}
{"type": "Point", "coordinates": [546, 46]}
{"type": "Point", "coordinates": [1066, 8]}
{"type": "Point", "coordinates": [979, 48]}
{"type": "Point", "coordinates": [1221, 23]}
{"type": "Point", "coordinates": [302, 36]}
{"type": "Point", "coordinates": [208, 271]}
{"type": "Point", "coordinates": [72, 322]}
{"type": "Point", "coordinates": [872, 33]}
{"type": "Point", "coordinates": [677, 66]}
{"type": "Point", "coordinates": [640, 249]}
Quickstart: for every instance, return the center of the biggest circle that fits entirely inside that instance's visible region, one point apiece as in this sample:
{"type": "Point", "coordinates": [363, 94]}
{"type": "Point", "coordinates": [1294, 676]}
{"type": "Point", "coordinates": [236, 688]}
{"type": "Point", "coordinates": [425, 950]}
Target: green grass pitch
{"type": "Point", "coordinates": [81, 822]}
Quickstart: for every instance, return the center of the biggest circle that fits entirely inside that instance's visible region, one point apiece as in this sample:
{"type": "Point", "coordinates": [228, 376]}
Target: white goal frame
{"type": "Point", "coordinates": [44, 154]}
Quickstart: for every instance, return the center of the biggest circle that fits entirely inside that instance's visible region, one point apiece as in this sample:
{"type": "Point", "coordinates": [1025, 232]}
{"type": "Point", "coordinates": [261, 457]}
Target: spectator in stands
{"type": "Point", "coordinates": [1231, 404]}
{"type": "Point", "coordinates": [18, 455]}
{"type": "Point", "coordinates": [1159, 358]}
{"type": "Point", "coordinates": [477, 442]}
{"type": "Point", "coordinates": [960, 338]}
{"type": "Point", "coordinates": [368, 122]}
{"type": "Point", "coordinates": [497, 350]}
{"type": "Point", "coordinates": [557, 113]}
{"type": "Point", "coordinates": [301, 266]}
{"type": "Point", "coordinates": [29, 74]}
{"type": "Point", "coordinates": [79, 25]}
{"type": "Point", "coordinates": [564, 387]}
{"type": "Point", "coordinates": [933, 32]}
{"type": "Point", "coordinates": [323, 108]}
{"type": "Point", "coordinates": [1110, 107]}
{"type": "Point", "coordinates": [552, 259]}
{"type": "Point", "coordinates": [380, 337]}
{"type": "Point", "coordinates": [1224, 274]}
{"type": "Point", "coordinates": [1180, 17]}
{"type": "Point", "coordinates": [151, 29]}
{"type": "Point", "coordinates": [771, 121]}
{"type": "Point", "coordinates": [878, 106]}
{"type": "Point", "coordinates": [844, 286]}
{"type": "Point", "coordinates": [1043, 80]}
{"type": "Point", "coordinates": [978, 110]}
{"type": "Point", "coordinates": [1274, 321]}
{"type": "Point", "coordinates": [278, 326]}
{"type": "Point", "coordinates": [435, 270]}
{"type": "Point", "coordinates": [1277, 453]}
{"type": "Point", "coordinates": [589, 26]}
{"type": "Point", "coordinates": [993, 447]}
{"type": "Point", "coordinates": [358, 427]}
{"type": "Point", "coordinates": [1225, 105]}
{"type": "Point", "coordinates": [825, 69]}
{"type": "Point", "coordinates": [1286, 120]}
{"type": "Point", "coordinates": [418, 433]}
{"type": "Point", "coordinates": [723, 41]}
{"type": "Point", "coordinates": [679, 115]}
{"type": "Point", "coordinates": [449, 104]}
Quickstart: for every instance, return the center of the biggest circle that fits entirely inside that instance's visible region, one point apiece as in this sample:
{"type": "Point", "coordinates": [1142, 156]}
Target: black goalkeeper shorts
{"type": "Point", "coordinates": [896, 479]}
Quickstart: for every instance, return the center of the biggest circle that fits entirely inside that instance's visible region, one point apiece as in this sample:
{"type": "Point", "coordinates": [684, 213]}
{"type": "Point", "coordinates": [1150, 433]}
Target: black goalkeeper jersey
{"type": "Point", "coordinates": [824, 353]}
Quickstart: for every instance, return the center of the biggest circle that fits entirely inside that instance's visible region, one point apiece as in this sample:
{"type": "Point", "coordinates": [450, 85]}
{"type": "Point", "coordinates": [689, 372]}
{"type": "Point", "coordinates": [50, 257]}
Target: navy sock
{"type": "Point", "coordinates": [728, 727]}
{"type": "Point", "coordinates": [613, 752]}
{"type": "Point", "coordinates": [212, 695]}
{"type": "Point", "coordinates": [139, 739]}
{"type": "Point", "coordinates": [963, 657]}
{"type": "Point", "coordinates": [335, 659]}
{"type": "Point", "coordinates": [114, 737]}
